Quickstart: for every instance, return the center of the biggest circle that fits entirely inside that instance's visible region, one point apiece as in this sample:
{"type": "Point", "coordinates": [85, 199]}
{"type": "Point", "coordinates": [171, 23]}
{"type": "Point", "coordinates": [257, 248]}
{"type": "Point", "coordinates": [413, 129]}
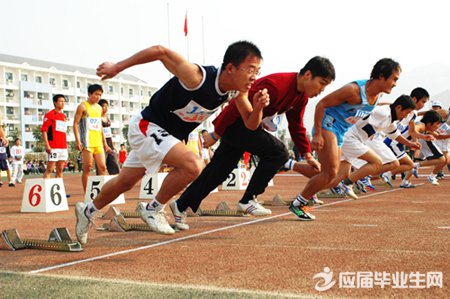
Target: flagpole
{"type": "Point", "coordinates": [168, 26]}
{"type": "Point", "coordinates": [203, 41]}
{"type": "Point", "coordinates": [186, 34]}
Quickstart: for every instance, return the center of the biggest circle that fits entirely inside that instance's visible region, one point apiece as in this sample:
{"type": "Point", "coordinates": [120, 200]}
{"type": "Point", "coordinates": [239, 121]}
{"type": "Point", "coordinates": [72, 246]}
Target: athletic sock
{"type": "Point", "coordinates": [299, 201]}
{"type": "Point", "coordinates": [155, 205]}
{"type": "Point", "coordinates": [347, 182]}
{"type": "Point", "coordinates": [90, 210]}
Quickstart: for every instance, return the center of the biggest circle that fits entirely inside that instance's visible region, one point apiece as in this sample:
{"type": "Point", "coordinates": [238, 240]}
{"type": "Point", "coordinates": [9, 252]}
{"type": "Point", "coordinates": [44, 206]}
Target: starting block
{"type": "Point", "coordinates": [95, 184]}
{"type": "Point", "coordinates": [115, 211]}
{"type": "Point", "coordinates": [119, 224]}
{"type": "Point", "coordinates": [237, 180]}
{"type": "Point", "coordinates": [150, 184]}
{"type": "Point", "coordinates": [276, 201]}
{"type": "Point", "coordinates": [44, 195]}
{"type": "Point", "coordinates": [59, 240]}
{"type": "Point", "coordinates": [222, 209]}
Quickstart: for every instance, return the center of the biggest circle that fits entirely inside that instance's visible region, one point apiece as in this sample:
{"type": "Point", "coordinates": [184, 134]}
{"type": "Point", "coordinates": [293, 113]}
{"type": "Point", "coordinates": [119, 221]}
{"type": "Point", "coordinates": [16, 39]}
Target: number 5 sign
{"type": "Point", "coordinates": [44, 195]}
{"type": "Point", "coordinates": [95, 184]}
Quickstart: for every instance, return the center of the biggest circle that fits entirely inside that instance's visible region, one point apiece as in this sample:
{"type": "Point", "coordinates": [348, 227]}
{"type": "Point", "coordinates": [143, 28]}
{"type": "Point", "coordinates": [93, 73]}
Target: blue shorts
{"type": "Point", "coordinates": [329, 123]}
{"type": "Point", "coordinates": [3, 164]}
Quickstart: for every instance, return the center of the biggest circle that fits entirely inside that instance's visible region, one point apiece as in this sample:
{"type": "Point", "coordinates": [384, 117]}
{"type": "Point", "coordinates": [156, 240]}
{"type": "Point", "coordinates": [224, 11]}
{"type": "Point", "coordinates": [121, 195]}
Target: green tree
{"type": "Point", "coordinates": [125, 135]}
{"type": "Point", "coordinates": [37, 135]}
{"type": "Point", "coordinates": [12, 135]}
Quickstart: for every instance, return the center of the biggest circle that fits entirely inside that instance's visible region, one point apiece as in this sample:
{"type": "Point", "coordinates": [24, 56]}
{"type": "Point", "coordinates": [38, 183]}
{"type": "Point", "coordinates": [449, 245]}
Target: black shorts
{"type": "Point", "coordinates": [4, 165]}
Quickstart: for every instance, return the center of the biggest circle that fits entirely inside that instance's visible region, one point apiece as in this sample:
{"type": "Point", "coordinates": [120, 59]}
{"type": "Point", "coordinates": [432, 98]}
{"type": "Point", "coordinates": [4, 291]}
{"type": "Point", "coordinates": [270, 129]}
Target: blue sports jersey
{"type": "Point", "coordinates": [180, 110]}
{"type": "Point", "coordinates": [339, 119]}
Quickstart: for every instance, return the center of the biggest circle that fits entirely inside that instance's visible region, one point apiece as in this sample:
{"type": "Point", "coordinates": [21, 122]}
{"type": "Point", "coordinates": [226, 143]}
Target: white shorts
{"type": "Point", "coordinates": [354, 149]}
{"type": "Point", "coordinates": [429, 150]}
{"type": "Point", "coordinates": [442, 144]}
{"type": "Point", "coordinates": [149, 144]}
{"type": "Point", "coordinates": [58, 154]}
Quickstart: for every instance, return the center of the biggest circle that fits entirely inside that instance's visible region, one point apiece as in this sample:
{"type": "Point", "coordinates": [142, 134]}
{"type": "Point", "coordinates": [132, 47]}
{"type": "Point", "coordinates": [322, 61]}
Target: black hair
{"type": "Point", "coordinates": [405, 101]}
{"type": "Point", "coordinates": [238, 52]}
{"type": "Point", "coordinates": [103, 101]}
{"type": "Point", "coordinates": [56, 97]}
{"type": "Point", "coordinates": [430, 117]}
{"type": "Point", "coordinates": [94, 87]}
{"type": "Point", "coordinates": [203, 131]}
{"type": "Point", "coordinates": [384, 68]}
{"type": "Point", "coordinates": [319, 67]}
{"type": "Point", "coordinates": [419, 93]}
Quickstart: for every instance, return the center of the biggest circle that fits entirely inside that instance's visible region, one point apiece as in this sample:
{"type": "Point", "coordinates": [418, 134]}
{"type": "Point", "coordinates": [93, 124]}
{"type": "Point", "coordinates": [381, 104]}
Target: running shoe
{"type": "Point", "coordinates": [433, 180]}
{"type": "Point", "coordinates": [302, 212]}
{"type": "Point", "coordinates": [253, 208]}
{"type": "Point", "coordinates": [315, 200]}
{"type": "Point", "coordinates": [157, 221]}
{"type": "Point", "coordinates": [82, 226]}
{"type": "Point", "coordinates": [348, 190]}
{"type": "Point", "coordinates": [415, 172]}
{"type": "Point", "coordinates": [337, 190]}
{"type": "Point", "coordinates": [367, 183]}
{"type": "Point", "coordinates": [180, 217]}
{"type": "Point", "coordinates": [407, 184]}
{"type": "Point", "coordinates": [361, 187]}
{"type": "Point", "coordinates": [386, 179]}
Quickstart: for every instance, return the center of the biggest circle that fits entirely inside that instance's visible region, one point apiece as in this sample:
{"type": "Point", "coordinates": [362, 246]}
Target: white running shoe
{"type": "Point", "coordinates": [432, 179]}
{"type": "Point", "coordinates": [253, 208]}
{"type": "Point", "coordinates": [348, 190]}
{"type": "Point", "coordinates": [315, 200]}
{"type": "Point", "coordinates": [180, 217]}
{"type": "Point", "coordinates": [82, 226]}
{"type": "Point", "coordinates": [157, 221]}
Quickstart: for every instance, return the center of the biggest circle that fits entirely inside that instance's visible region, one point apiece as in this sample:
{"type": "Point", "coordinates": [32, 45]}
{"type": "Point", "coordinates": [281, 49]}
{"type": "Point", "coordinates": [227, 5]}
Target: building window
{"type": "Point", "coordinates": [111, 89]}
{"type": "Point", "coordinates": [9, 77]}
{"type": "Point", "coordinates": [38, 79]}
{"type": "Point", "coordinates": [24, 77]}
{"type": "Point", "coordinates": [142, 92]}
{"type": "Point", "coordinates": [40, 96]}
{"type": "Point", "coordinates": [65, 84]}
{"type": "Point", "coordinates": [52, 81]}
{"type": "Point", "coordinates": [121, 90]}
{"type": "Point", "coordinates": [149, 93]}
{"type": "Point", "coordinates": [130, 92]}
{"type": "Point", "coordinates": [78, 84]}
{"type": "Point", "coordinates": [9, 93]}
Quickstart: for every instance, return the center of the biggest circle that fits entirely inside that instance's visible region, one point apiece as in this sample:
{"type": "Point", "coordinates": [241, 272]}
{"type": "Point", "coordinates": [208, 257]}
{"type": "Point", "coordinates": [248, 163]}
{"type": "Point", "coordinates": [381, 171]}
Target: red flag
{"type": "Point", "coordinates": [185, 25]}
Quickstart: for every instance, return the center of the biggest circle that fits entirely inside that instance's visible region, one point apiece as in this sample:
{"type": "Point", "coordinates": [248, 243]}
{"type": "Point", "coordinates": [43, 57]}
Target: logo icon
{"type": "Point", "coordinates": [325, 280]}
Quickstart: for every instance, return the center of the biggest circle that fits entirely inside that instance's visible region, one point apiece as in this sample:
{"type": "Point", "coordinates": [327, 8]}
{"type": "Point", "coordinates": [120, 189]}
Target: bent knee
{"type": "Point", "coordinates": [193, 168]}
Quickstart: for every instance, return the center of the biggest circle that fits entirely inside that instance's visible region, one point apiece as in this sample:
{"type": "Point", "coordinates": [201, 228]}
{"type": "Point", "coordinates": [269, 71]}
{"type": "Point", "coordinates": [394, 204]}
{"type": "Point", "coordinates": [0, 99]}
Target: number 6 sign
{"type": "Point", "coordinates": [44, 195]}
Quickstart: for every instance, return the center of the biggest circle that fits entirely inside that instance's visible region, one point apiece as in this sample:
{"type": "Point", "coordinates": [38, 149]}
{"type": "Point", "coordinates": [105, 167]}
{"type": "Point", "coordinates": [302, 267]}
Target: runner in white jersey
{"type": "Point", "coordinates": [408, 130]}
{"type": "Point", "coordinates": [359, 143]}
{"type": "Point", "coordinates": [190, 97]}
{"type": "Point", "coordinates": [430, 154]}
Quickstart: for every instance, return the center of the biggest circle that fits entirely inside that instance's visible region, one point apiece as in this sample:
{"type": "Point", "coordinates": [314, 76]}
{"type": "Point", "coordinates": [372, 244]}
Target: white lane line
{"type": "Point", "coordinates": [444, 227]}
{"type": "Point", "coordinates": [365, 225]}
{"type": "Point", "coordinates": [190, 236]}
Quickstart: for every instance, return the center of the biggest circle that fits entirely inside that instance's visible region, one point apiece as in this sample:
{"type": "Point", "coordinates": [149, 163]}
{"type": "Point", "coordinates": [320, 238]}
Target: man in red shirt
{"type": "Point", "coordinates": [54, 134]}
{"type": "Point", "coordinates": [289, 93]}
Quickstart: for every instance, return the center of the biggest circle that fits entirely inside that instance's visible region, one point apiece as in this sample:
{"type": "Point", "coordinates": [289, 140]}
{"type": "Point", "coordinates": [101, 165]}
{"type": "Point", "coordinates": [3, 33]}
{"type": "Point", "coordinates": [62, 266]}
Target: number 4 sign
{"type": "Point", "coordinates": [44, 195]}
{"type": "Point", "coordinates": [150, 184]}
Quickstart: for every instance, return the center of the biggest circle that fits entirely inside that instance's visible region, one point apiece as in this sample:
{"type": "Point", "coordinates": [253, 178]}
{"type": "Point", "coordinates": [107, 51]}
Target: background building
{"type": "Point", "coordinates": [28, 85]}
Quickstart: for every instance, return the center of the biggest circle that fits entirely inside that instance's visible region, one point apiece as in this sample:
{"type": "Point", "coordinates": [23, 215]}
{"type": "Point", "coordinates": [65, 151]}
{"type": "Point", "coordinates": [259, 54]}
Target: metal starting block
{"type": "Point", "coordinates": [59, 240]}
{"type": "Point", "coordinates": [277, 201]}
{"type": "Point", "coordinates": [222, 209]}
{"type": "Point", "coordinates": [329, 195]}
{"type": "Point", "coordinates": [114, 211]}
{"type": "Point", "coordinates": [119, 224]}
